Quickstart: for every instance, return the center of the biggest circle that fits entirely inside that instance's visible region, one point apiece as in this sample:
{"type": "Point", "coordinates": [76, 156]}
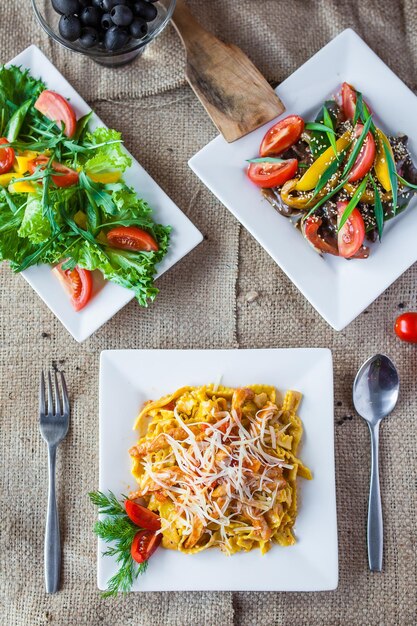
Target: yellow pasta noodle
{"type": "Point", "coordinates": [219, 465]}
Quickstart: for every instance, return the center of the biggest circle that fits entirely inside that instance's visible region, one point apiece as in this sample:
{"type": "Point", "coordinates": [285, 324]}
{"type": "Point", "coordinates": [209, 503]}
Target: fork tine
{"type": "Point", "coordinates": [42, 395]}
{"type": "Point", "coordinates": [57, 399]}
{"type": "Point", "coordinates": [50, 397]}
{"type": "Point", "coordinates": [65, 395]}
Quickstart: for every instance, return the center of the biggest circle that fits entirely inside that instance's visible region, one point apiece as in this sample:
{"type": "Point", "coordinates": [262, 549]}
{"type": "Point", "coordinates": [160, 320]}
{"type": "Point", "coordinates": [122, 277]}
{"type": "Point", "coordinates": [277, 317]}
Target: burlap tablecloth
{"type": "Point", "coordinates": [204, 303]}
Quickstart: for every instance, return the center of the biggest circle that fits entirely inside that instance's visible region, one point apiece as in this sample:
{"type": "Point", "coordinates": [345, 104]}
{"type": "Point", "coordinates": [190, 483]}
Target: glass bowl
{"type": "Point", "coordinates": [48, 19]}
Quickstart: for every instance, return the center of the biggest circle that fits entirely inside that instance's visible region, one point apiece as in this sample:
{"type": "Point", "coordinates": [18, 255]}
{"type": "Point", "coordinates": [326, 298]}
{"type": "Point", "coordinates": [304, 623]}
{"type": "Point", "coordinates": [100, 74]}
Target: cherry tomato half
{"type": "Point", "coordinates": [406, 327]}
{"type": "Point", "coordinates": [365, 159]}
{"type": "Point", "coordinates": [131, 238]}
{"type": "Point", "coordinates": [349, 101]}
{"type": "Point", "coordinates": [67, 176]}
{"type": "Point", "coordinates": [272, 174]}
{"type": "Point", "coordinates": [282, 135]}
{"type": "Point", "coordinates": [144, 544]}
{"type": "Point", "coordinates": [351, 235]}
{"type": "Point", "coordinates": [142, 516]}
{"type": "Point", "coordinates": [6, 157]}
{"type": "Point", "coordinates": [78, 283]}
{"type": "Point", "coordinates": [310, 229]}
{"type": "Point", "coordinates": [58, 110]}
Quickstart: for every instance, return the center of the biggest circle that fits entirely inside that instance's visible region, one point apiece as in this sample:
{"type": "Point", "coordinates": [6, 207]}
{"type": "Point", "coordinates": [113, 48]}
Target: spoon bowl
{"type": "Point", "coordinates": [376, 388]}
{"type": "Point", "coordinates": [375, 394]}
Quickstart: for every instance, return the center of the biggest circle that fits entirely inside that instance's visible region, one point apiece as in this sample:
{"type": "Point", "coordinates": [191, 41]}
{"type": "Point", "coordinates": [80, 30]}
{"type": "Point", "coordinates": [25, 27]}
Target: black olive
{"type": "Point", "coordinates": [89, 37]}
{"type": "Point", "coordinates": [109, 4]}
{"type": "Point", "coordinates": [146, 10]}
{"type": "Point", "coordinates": [115, 38]}
{"type": "Point", "coordinates": [85, 3]}
{"type": "Point", "coordinates": [66, 7]}
{"type": "Point", "coordinates": [98, 4]}
{"type": "Point", "coordinates": [106, 21]}
{"type": "Point", "coordinates": [69, 27]}
{"type": "Point", "coordinates": [121, 15]}
{"type": "Point", "coordinates": [138, 28]}
{"type": "Point", "coordinates": [90, 16]}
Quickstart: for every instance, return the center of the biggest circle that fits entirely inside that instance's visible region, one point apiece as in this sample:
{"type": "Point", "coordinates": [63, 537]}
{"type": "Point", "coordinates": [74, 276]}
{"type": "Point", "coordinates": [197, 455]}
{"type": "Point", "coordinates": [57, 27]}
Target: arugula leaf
{"type": "Point", "coordinates": [352, 203]}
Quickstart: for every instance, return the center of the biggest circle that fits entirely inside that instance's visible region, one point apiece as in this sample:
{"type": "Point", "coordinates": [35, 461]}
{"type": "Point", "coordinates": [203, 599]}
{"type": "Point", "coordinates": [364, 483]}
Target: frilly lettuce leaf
{"type": "Point", "coordinates": [35, 226]}
{"type": "Point", "coordinates": [109, 158]}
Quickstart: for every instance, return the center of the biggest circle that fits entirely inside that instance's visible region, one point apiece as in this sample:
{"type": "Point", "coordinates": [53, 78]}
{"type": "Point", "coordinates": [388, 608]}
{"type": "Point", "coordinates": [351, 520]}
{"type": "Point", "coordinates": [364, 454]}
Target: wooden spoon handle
{"type": "Point", "coordinates": [234, 93]}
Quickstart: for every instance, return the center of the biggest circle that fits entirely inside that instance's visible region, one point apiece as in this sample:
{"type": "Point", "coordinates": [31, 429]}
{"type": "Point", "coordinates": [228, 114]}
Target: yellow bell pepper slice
{"type": "Point", "coordinates": [381, 165]}
{"type": "Point", "coordinates": [105, 177]}
{"type": "Point", "coordinates": [21, 165]}
{"type": "Point", "coordinates": [368, 195]}
{"type": "Point", "coordinates": [21, 187]}
{"type": "Point", "coordinates": [310, 179]}
{"type": "Point", "coordinates": [5, 179]}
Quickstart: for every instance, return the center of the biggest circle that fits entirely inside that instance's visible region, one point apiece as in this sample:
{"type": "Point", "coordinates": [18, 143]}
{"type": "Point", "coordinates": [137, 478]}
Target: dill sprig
{"type": "Point", "coordinates": [117, 529]}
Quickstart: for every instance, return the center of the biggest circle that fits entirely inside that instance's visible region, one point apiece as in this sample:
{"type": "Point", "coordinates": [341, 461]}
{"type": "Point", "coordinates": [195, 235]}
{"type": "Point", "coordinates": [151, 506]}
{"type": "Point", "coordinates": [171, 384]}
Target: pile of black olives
{"type": "Point", "coordinates": [106, 23]}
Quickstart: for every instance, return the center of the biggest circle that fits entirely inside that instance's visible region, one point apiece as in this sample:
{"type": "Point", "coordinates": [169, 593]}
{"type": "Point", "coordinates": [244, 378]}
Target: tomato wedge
{"type": "Point", "coordinates": [349, 101]}
{"type": "Point", "coordinates": [406, 327]}
{"type": "Point", "coordinates": [131, 238]}
{"type": "Point", "coordinates": [310, 228]}
{"type": "Point", "coordinates": [144, 544]}
{"type": "Point", "coordinates": [282, 135]}
{"type": "Point", "coordinates": [58, 110]}
{"type": "Point", "coordinates": [141, 516]}
{"type": "Point", "coordinates": [365, 158]}
{"type": "Point", "coordinates": [351, 235]}
{"type": "Point", "coordinates": [78, 283]}
{"type": "Point", "coordinates": [67, 176]}
{"type": "Point", "coordinates": [272, 174]}
{"type": "Point", "coordinates": [6, 157]}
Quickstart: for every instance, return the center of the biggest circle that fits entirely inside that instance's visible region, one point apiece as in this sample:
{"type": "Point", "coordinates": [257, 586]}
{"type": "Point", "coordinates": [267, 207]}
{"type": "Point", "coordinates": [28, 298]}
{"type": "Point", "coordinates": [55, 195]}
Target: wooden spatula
{"type": "Point", "coordinates": [234, 93]}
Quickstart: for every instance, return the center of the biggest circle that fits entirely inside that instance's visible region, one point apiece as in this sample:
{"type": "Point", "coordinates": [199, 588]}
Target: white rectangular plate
{"type": "Point", "coordinates": [130, 377]}
{"type": "Point", "coordinates": [111, 298]}
{"type": "Point", "coordinates": [340, 290]}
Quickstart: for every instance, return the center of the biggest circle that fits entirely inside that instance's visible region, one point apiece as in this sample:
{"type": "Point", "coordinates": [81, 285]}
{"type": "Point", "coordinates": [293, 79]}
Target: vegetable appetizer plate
{"type": "Point", "coordinates": [110, 298]}
{"type": "Point", "coordinates": [340, 290]}
{"type": "Point", "coordinates": [130, 377]}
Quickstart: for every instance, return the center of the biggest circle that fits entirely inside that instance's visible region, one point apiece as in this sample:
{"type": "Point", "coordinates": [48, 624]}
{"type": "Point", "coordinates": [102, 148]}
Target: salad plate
{"type": "Point", "coordinates": [128, 378]}
{"type": "Point", "coordinates": [339, 289]}
{"type": "Point", "coordinates": [109, 297]}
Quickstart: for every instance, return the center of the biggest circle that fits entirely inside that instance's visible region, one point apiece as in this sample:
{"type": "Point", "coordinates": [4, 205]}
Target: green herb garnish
{"type": "Point", "coordinates": [352, 203]}
{"type": "Point", "coordinates": [117, 529]}
{"type": "Point", "coordinates": [266, 160]}
{"type": "Point", "coordinates": [329, 123]}
{"type": "Point", "coordinates": [323, 128]}
{"type": "Point", "coordinates": [392, 171]}
{"type": "Point", "coordinates": [378, 209]}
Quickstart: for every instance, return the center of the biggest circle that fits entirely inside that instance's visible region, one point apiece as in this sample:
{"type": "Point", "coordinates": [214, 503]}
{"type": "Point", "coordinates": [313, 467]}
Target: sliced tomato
{"type": "Point", "coordinates": [141, 516]}
{"type": "Point", "coordinates": [282, 135]}
{"type": "Point", "coordinates": [144, 544]}
{"type": "Point", "coordinates": [66, 177]}
{"type": "Point", "coordinates": [365, 158]}
{"type": "Point", "coordinates": [78, 283]}
{"type": "Point", "coordinates": [58, 110]}
{"type": "Point", "coordinates": [406, 327]}
{"type": "Point", "coordinates": [310, 230]}
{"type": "Point", "coordinates": [272, 174]}
{"type": "Point", "coordinates": [131, 238]}
{"type": "Point", "coordinates": [351, 235]}
{"type": "Point", "coordinates": [6, 157]}
{"type": "Point", "coordinates": [349, 101]}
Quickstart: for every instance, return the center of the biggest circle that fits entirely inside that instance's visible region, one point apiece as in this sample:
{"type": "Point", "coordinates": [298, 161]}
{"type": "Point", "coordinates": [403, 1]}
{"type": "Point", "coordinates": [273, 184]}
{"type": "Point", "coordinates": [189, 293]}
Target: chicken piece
{"type": "Point", "coordinates": [259, 522]}
{"type": "Point", "coordinates": [196, 533]}
{"type": "Point", "coordinates": [240, 398]}
{"type": "Point", "coordinates": [160, 442]}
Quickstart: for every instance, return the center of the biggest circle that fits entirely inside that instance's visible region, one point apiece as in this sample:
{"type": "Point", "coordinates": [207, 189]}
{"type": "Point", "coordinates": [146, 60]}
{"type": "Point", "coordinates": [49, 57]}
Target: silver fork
{"type": "Point", "coordinates": [53, 423]}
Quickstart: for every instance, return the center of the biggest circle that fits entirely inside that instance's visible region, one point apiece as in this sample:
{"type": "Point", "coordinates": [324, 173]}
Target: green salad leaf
{"type": "Point", "coordinates": [48, 223]}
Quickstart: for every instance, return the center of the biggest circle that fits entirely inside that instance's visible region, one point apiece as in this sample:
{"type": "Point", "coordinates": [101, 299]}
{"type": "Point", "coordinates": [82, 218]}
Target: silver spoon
{"type": "Point", "coordinates": [375, 394]}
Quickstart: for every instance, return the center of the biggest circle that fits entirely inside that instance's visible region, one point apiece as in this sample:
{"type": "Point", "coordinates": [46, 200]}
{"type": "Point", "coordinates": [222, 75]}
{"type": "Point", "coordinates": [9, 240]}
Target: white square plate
{"type": "Point", "coordinates": [130, 377]}
{"type": "Point", "coordinates": [338, 289]}
{"type": "Point", "coordinates": [111, 298]}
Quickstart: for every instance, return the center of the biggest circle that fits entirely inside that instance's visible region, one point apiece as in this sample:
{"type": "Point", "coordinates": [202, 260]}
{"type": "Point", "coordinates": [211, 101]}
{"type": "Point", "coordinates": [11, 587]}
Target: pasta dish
{"type": "Point", "coordinates": [219, 466]}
